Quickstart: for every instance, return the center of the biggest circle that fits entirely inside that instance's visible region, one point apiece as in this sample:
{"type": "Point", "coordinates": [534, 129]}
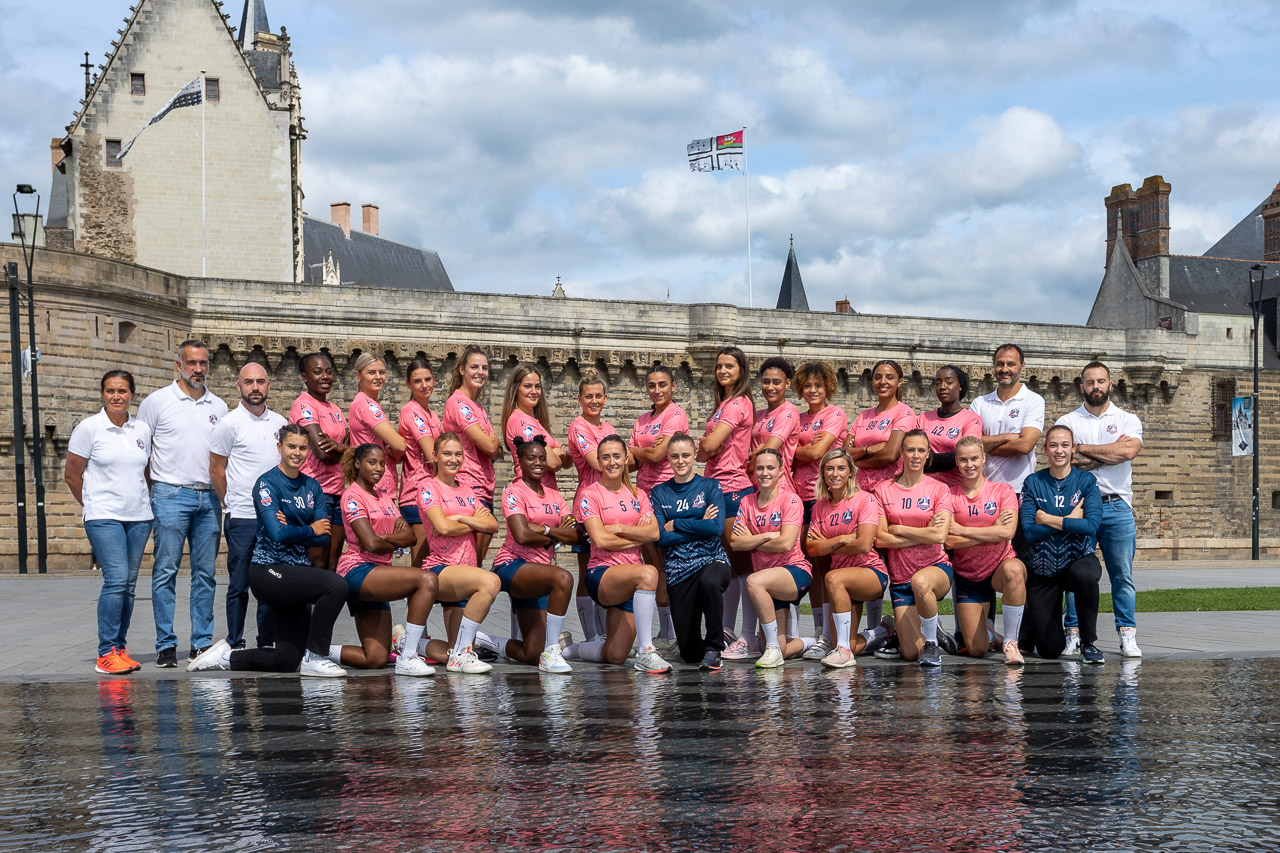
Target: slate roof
{"type": "Point", "coordinates": [1210, 285]}
{"type": "Point", "coordinates": [1242, 241]}
{"type": "Point", "coordinates": [371, 261]}
{"type": "Point", "coordinates": [266, 67]}
{"type": "Point", "coordinates": [791, 295]}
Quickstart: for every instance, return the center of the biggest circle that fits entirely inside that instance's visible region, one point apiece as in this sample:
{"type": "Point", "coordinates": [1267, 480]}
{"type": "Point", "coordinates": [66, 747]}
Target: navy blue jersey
{"type": "Point", "coordinates": [695, 540]}
{"type": "Point", "coordinates": [1050, 551]}
{"type": "Point", "coordinates": [302, 502]}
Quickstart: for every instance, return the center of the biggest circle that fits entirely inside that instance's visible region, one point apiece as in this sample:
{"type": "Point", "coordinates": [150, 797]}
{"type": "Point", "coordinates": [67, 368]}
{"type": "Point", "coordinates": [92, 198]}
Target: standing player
{"type": "Point", "coordinates": [525, 414]}
{"type": "Point", "coordinates": [875, 439]}
{"type": "Point", "coordinates": [464, 415]}
{"type": "Point", "coordinates": [777, 425]}
{"type": "Point", "coordinates": [367, 421]}
{"type": "Point", "coordinates": [418, 426]}
{"type": "Point", "coordinates": [1109, 439]}
{"type": "Point", "coordinates": [948, 423]}
{"type": "Point", "coordinates": [327, 433]}
{"type": "Point", "coordinates": [585, 434]}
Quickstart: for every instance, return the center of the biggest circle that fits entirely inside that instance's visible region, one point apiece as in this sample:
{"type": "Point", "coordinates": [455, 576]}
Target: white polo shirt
{"type": "Point", "coordinates": [1106, 428]}
{"type": "Point", "coordinates": [180, 428]}
{"type": "Point", "coordinates": [249, 443]}
{"type": "Point", "coordinates": [115, 487]}
{"type": "Point", "coordinates": [999, 417]}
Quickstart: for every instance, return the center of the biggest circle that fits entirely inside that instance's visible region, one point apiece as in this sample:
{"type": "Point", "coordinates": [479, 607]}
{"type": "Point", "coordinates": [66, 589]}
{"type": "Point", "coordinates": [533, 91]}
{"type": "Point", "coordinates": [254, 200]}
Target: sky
{"type": "Point", "coordinates": [930, 158]}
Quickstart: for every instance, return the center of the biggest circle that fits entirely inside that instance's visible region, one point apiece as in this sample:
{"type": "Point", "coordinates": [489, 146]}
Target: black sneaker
{"type": "Point", "coordinates": [197, 651]}
{"type": "Point", "coordinates": [486, 655]}
{"type": "Point", "coordinates": [1091, 654]}
{"type": "Point", "coordinates": [947, 642]}
{"type": "Point", "coordinates": [891, 650]}
{"type": "Point", "coordinates": [931, 655]}
{"type": "Point", "coordinates": [167, 658]}
{"type": "Point", "coordinates": [710, 661]}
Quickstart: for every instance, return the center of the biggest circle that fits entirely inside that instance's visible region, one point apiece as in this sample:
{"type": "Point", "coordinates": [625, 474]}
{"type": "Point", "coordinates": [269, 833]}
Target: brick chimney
{"type": "Point", "coordinates": [1121, 206]}
{"type": "Point", "coordinates": [1153, 218]}
{"type": "Point", "coordinates": [340, 215]}
{"type": "Point", "coordinates": [844, 306]}
{"type": "Point", "coordinates": [1271, 227]}
{"type": "Point", "coordinates": [370, 216]}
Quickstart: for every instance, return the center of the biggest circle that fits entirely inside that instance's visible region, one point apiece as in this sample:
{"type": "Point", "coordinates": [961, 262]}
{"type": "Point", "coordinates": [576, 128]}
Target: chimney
{"type": "Point", "coordinates": [843, 306]}
{"type": "Point", "coordinates": [340, 215]}
{"type": "Point", "coordinates": [1121, 206]}
{"type": "Point", "coordinates": [1152, 233]}
{"type": "Point", "coordinates": [370, 216]}
{"type": "Point", "coordinates": [1271, 227]}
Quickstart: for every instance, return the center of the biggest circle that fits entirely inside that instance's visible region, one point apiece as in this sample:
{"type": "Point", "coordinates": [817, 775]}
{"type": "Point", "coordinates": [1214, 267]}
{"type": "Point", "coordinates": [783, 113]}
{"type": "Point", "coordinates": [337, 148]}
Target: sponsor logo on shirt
{"type": "Point", "coordinates": [989, 507]}
{"type": "Point", "coordinates": [465, 411]}
{"type": "Point", "coordinates": [426, 496]}
{"type": "Point", "coordinates": [374, 408]}
{"type": "Point", "coordinates": [923, 503]}
{"type": "Point", "coordinates": [511, 501]}
{"type": "Point", "coordinates": [585, 507]}
{"type": "Point", "coordinates": [582, 441]}
{"type": "Point", "coordinates": [528, 432]}
{"type": "Point", "coordinates": [307, 414]}
{"type": "Point", "coordinates": [419, 423]}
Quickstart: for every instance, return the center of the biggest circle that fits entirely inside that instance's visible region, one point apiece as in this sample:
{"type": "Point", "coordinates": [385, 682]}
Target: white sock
{"type": "Point", "coordinates": [844, 622]}
{"type": "Point", "coordinates": [729, 612]}
{"type": "Point", "coordinates": [555, 624]}
{"type": "Point", "coordinates": [770, 633]}
{"type": "Point", "coordinates": [879, 632]}
{"type": "Point", "coordinates": [422, 647]}
{"type": "Point", "coordinates": [664, 619]}
{"type": "Point", "coordinates": [412, 635]}
{"type": "Point", "coordinates": [466, 634]}
{"type": "Point", "coordinates": [793, 621]}
{"type": "Point", "coordinates": [592, 650]}
{"type": "Point", "coordinates": [873, 612]}
{"type": "Point", "coordinates": [749, 616]}
{"type": "Point", "coordinates": [929, 628]}
{"type": "Point", "coordinates": [587, 616]}
{"type": "Point", "coordinates": [515, 626]}
{"type": "Point", "coordinates": [644, 603]}
{"type": "Point", "coordinates": [808, 642]}
{"type": "Point", "coordinates": [493, 644]}
{"type": "Point", "coordinates": [1012, 621]}
{"type": "Point", "coordinates": [335, 654]}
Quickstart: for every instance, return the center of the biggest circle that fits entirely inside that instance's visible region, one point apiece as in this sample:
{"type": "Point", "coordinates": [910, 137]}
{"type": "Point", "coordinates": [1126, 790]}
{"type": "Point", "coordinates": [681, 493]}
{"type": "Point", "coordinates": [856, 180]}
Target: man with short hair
{"type": "Point", "coordinates": [1108, 439]}
{"type": "Point", "coordinates": [187, 510]}
{"type": "Point", "coordinates": [243, 447]}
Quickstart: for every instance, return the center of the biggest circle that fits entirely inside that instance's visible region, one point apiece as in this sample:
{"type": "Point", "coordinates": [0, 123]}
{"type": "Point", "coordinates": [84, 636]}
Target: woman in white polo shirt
{"type": "Point", "coordinates": [106, 460]}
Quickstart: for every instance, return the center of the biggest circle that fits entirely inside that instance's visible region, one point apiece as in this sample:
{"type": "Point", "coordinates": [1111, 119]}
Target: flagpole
{"type": "Point", "coordinates": [204, 272]}
{"type": "Point", "coordinates": [746, 203]}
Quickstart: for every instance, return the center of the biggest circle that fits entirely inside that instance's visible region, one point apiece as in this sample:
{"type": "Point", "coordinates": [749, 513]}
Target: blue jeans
{"type": "Point", "coordinates": [241, 534]}
{"type": "Point", "coordinates": [1118, 538]}
{"type": "Point", "coordinates": [182, 516]}
{"type": "Point", "coordinates": [118, 547]}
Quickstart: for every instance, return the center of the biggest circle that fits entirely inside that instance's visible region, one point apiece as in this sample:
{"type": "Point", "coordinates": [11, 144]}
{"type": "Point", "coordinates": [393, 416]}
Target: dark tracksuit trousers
{"type": "Point", "coordinates": [695, 600]}
{"type": "Point", "coordinates": [1042, 630]}
{"type": "Point", "coordinates": [288, 591]}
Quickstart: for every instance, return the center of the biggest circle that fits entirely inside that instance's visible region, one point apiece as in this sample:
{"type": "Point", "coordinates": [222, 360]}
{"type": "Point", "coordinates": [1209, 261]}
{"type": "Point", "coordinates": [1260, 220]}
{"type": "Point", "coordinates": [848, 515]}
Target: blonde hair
{"type": "Point", "coordinates": [820, 490]}
{"type": "Point", "coordinates": [970, 441]}
{"type": "Point", "coordinates": [592, 378]}
{"type": "Point", "coordinates": [365, 359]}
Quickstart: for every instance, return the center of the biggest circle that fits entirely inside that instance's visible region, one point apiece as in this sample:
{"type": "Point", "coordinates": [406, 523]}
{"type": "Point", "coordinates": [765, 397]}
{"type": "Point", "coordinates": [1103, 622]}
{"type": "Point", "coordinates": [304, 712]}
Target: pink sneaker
{"type": "Point", "coordinates": [740, 649]}
{"type": "Point", "coordinates": [1012, 656]}
{"type": "Point", "coordinates": [839, 658]}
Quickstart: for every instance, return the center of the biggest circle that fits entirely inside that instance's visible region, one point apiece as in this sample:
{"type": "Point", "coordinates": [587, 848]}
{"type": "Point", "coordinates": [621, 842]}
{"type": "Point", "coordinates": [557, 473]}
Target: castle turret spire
{"type": "Point", "coordinates": [253, 20]}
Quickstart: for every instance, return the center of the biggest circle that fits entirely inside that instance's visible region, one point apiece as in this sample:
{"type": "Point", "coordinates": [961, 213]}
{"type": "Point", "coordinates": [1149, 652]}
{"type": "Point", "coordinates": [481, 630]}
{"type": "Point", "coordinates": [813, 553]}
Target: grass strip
{"type": "Point", "coordinates": [1176, 600]}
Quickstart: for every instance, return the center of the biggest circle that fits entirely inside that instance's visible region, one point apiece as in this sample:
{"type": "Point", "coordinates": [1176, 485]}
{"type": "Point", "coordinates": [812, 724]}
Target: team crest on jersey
{"type": "Point", "coordinates": [816, 425]}
{"type": "Point", "coordinates": [264, 496]}
{"type": "Point", "coordinates": [953, 432]}
{"type": "Point", "coordinates": [1111, 429]}
{"type": "Point", "coordinates": [700, 501]}
{"type": "Point", "coordinates": [426, 496]}
{"type": "Point", "coordinates": [311, 501]}
{"type": "Point", "coordinates": [528, 432]}
{"type": "Point", "coordinates": [1015, 412]}
{"type": "Point", "coordinates": [884, 424]}
{"type": "Point", "coordinates": [635, 505]}
{"type": "Point", "coordinates": [989, 507]}
{"type": "Point", "coordinates": [471, 501]}
{"type": "Point", "coordinates": [141, 446]}
{"type": "Point", "coordinates": [923, 503]}
{"type": "Point", "coordinates": [1075, 499]}
{"type": "Point", "coordinates": [775, 518]}
{"type": "Point", "coordinates": [768, 425]}
{"type": "Point", "coordinates": [585, 507]}
{"type": "Point", "coordinates": [352, 507]}
{"type": "Point", "coordinates": [213, 419]}
{"type": "Point", "coordinates": [307, 414]}
{"type": "Point", "coordinates": [715, 419]}
{"type": "Point", "coordinates": [847, 518]}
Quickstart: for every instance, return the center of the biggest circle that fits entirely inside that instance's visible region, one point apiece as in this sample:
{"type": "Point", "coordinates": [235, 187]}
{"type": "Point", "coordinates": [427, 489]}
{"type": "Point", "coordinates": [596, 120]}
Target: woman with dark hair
{"type": "Point", "coordinates": [328, 436]}
{"type": "Point", "coordinates": [948, 423]}
{"type": "Point", "coordinates": [777, 425]}
{"type": "Point", "coordinates": [464, 415]}
{"type": "Point", "coordinates": [418, 426]}
{"type": "Point", "coordinates": [875, 439]}
{"type": "Point", "coordinates": [525, 414]}
{"type": "Point", "coordinates": [105, 470]}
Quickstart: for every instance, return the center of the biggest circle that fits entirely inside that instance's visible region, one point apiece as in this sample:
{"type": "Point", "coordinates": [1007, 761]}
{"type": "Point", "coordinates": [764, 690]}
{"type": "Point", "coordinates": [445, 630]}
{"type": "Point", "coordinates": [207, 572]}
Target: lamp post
{"type": "Point", "coordinates": [1257, 275]}
{"type": "Point", "coordinates": [19, 452]}
{"type": "Point", "coordinates": [37, 452]}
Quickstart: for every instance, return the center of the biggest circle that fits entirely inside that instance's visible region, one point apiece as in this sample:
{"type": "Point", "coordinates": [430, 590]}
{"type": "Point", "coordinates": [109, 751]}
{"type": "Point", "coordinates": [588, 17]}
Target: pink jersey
{"type": "Point", "coordinates": [785, 508]}
{"type": "Point", "coordinates": [729, 466]}
{"type": "Point", "coordinates": [307, 410]}
{"type": "Point", "coordinates": [873, 426]}
{"type": "Point", "coordinates": [648, 429]}
{"type": "Point", "coordinates": [416, 423]}
{"type": "Point", "coordinates": [831, 419]}
{"type": "Point", "coordinates": [547, 509]}
{"type": "Point", "coordinates": [363, 416]}
{"type": "Point", "coordinates": [620, 507]}
{"type": "Point", "coordinates": [782, 423]}
{"type": "Point", "coordinates": [382, 513]}
{"type": "Point", "coordinates": [944, 433]}
{"type": "Point", "coordinates": [457, 499]}
{"type": "Point", "coordinates": [977, 563]}
{"type": "Point", "coordinates": [584, 438]}
{"type": "Point", "coordinates": [521, 424]}
{"type": "Point", "coordinates": [914, 507]}
{"type": "Point", "coordinates": [460, 414]}
{"type": "Point", "coordinates": [845, 517]}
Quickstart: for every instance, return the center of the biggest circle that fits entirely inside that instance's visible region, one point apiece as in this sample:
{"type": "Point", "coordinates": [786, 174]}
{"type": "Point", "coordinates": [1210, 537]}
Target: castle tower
{"type": "Point", "coordinates": [1271, 227]}
{"type": "Point", "coordinates": [791, 295]}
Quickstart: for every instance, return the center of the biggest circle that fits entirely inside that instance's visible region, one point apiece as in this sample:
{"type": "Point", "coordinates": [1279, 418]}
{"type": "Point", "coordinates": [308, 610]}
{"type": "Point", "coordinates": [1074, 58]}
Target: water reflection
{"type": "Point", "coordinates": [1130, 755]}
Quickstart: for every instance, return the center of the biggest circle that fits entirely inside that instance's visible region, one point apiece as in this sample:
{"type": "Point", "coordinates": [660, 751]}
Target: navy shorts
{"type": "Point", "coordinates": [583, 545]}
{"type": "Point", "coordinates": [974, 592]}
{"type": "Point", "coordinates": [803, 581]}
{"type": "Point", "coordinates": [506, 573]}
{"type": "Point", "coordinates": [355, 579]}
{"type": "Point", "coordinates": [808, 511]}
{"type": "Point", "coordinates": [594, 576]}
{"type": "Point", "coordinates": [335, 511]}
{"type": "Point", "coordinates": [436, 570]}
{"type": "Point", "coordinates": [733, 499]}
{"type": "Point", "coordinates": [410, 513]}
{"type": "Point", "coordinates": [903, 595]}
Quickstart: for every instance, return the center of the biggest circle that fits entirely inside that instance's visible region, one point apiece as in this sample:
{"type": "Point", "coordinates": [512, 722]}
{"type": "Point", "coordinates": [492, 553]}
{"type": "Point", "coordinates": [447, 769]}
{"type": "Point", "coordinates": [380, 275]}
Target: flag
{"type": "Point", "coordinates": [1242, 426]}
{"type": "Point", "coordinates": [717, 152]}
{"type": "Point", "coordinates": [188, 96]}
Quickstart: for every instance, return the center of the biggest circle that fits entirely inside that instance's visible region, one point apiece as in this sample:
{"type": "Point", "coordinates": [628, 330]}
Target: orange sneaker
{"type": "Point", "coordinates": [112, 664]}
{"type": "Point", "coordinates": [124, 655]}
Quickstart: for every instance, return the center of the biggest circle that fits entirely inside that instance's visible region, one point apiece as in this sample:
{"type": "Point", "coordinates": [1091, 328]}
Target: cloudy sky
{"type": "Point", "coordinates": [931, 158]}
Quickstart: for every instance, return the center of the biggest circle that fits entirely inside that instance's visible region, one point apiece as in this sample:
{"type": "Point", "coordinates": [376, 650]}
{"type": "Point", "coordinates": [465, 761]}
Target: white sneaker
{"type": "Point", "coordinates": [771, 658]}
{"type": "Point", "coordinates": [397, 640]}
{"type": "Point", "coordinates": [648, 660]}
{"type": "Point", "coordinates": [1073, 643]}
{"type": "Point", "coordinates": [566, 640]}
{"type": "Point", "coordinates": [414, 666]}
{"type": "Point", "coordinates": [214, 657]}
{"type": "Point", "coordinates": [1129, 643]}
{"type": "Point", "coordinates": [818, 650]}
{"type": "Point", "coordinates": [321, 668]}
{"type": "Point", "coordinates": [552, 661]}
{"type": "Point", "coordinates": [665, 646]}
{"type": "Point", "coordinates": [465, 660]}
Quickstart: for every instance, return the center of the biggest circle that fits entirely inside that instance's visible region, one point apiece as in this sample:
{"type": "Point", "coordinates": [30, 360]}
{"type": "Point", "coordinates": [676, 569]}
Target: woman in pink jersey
{"type": "Point", "coordinates": [538, 519]}
{"type": "Point", "coordinates": [915, 513]}
{"type": "Point", "coordinates": [768, 528]}
{"type": "Point", "coordinates": [418, 426]}
{"type": "Point", "coordinates": [724, 447]}
{"type": "Point", "coordinates": [454, 518]}
{"type": "Point", "coordinates": [464, 415]}
{"type": "Point", "coordinates": [843, 529]}
{"type": "Point", "coordinates": [375, 530]}
{"type": "Point", "coordinates": [948, 423]}
{"type": "Point", "coordinates": [823, 426]}
{"type": "Point", "coordinates": [585, 435]}
{"type": "Point", "coordinates": [986, 516]}
{"type": "Point", "coordinates": [875, 438]}
{"type": "Point", "coordinates": [328, 436]}
{"type": "Point", "coordinates": [618, 519]}
{"type": "Point", "coordinates": [369, 423]}
{"type": "Point", "coordinates": [525, 414]}
{"type": "Point", "coordinates": [777, 425]}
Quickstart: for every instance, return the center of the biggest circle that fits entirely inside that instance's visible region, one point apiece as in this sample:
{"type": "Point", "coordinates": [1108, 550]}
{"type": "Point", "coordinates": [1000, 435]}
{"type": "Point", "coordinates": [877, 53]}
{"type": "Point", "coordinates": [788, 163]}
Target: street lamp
{"type": "Point", "coordinates": [37, 453]}
{"type": "Point", "coordinates": [1257, 275]}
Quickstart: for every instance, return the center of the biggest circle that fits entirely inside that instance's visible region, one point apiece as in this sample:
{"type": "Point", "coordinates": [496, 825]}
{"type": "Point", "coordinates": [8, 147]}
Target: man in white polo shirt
{"type": "Point", "coordinates": [1012, 420]}
{"type": "Point", "coordinates": [243, 447]}
{"type": "Point", "coordinates": [181, 417]}
{"type": "Point", "coordinates": [1107, 440]}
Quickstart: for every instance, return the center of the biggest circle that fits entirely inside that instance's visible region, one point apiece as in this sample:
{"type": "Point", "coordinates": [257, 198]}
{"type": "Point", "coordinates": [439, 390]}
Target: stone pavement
{"type": "Point", "coordinates": [49, 631]}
